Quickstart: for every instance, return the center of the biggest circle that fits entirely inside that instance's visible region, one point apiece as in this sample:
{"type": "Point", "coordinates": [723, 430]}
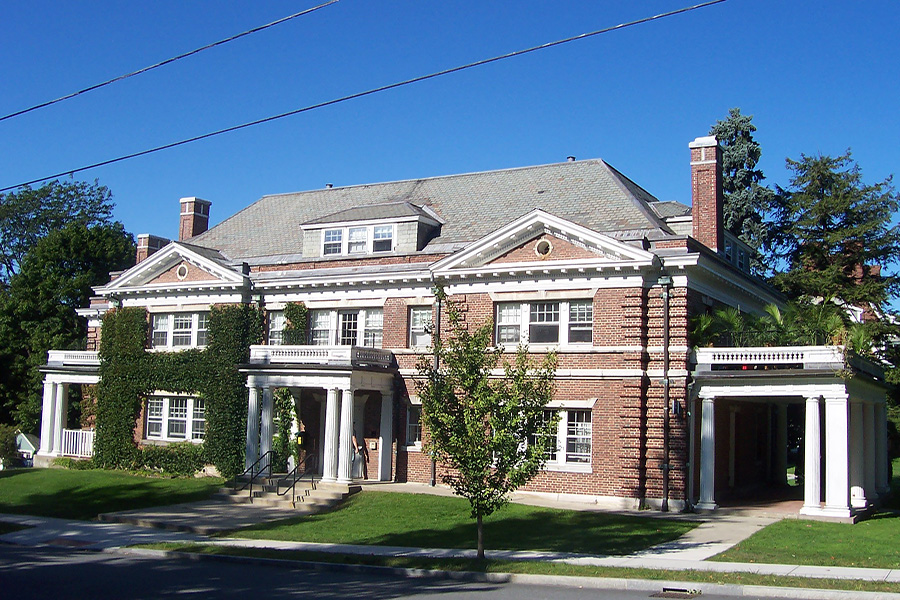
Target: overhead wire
{"type": "Point", "coordinates": [368, 93]}
{"type": "Point", "coordinates": [167, 61]}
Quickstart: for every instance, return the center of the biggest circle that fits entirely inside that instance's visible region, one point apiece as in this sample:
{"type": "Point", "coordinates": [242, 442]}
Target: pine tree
{"type": "Point", "coordinates": [747, 202]}
{"type": "Point", "coordinates": [835, 233]}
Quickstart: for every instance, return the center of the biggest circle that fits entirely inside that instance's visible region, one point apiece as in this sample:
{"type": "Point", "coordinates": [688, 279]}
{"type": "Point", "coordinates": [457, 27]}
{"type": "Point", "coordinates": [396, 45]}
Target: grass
{"type": "Point", "coordinates": [396, 519]}
{"type": "Point", "coordinates": [536, 567]}
{"type": "Point", "coordinates": [85, 494]}
{"type": "Point", "coordinates": [869, 543]}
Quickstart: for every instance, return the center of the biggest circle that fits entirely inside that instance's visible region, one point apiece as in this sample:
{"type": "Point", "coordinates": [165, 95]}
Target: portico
{"type": "Point", "coordinates": [65, 368]}
{"type": "Point", "coordinates": [345, 382]}
{"type": "Point", "coordinates": [844, 441]}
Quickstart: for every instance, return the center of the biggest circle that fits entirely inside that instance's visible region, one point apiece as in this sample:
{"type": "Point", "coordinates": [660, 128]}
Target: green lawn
{"type": "Point", "coordinates": [396, 519]}
{"type": "Point", "coordinates": [85, 494]}
{"type": "Point", "coordinates": [870, 543]}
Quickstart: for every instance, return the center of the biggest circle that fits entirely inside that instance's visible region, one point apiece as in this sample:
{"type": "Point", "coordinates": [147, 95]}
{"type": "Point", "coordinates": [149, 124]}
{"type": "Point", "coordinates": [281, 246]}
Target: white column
{"type": "Point", "coordinates": [882, 485]}
{"type": "Point", "coordinates": [857, 470]}
{"type": "Point", "coordinates": [329, 465]}
{"type": "Point", "coordinates": [812, 475]}
{"type": "Point", "coordinates": [345, 444]}
{"type": "Point", "coordinates": [266, 425]}
{"type": "Point", "coordinates": [869, 458]}
{"type": "Point", "coordinates": [781, 430]}
{"type": "Point", "coordinates": [48, 418]}
{"type": "Point", "coordinates": [386, 436]}
{"type": "Point", "coordinates": [707, 455]}
{"type": "Point", "coordinates": [59, 417]}
{"type": "Point", "coordinates": [251, 454]}
{"type": "Point", "coordinates": [837, 463]}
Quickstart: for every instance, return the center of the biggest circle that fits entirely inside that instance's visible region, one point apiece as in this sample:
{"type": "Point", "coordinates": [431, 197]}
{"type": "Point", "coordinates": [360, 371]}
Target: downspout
{"type": "Point", "coordinates": [437, 364]}
{"type": "Point", "coordinates": [665, 281]}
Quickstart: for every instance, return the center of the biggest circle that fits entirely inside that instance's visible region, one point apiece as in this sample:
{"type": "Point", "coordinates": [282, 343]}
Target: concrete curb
{"type": "Point", "coordinates": [596, 583]}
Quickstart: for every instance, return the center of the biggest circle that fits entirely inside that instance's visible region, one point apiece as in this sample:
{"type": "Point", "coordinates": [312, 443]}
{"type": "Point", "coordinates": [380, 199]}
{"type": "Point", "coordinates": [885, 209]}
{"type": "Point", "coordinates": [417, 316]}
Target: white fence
{"type": "Point", "coordinates": [78, 443]}
{"type": "Point", "coordinates": [321, 355]}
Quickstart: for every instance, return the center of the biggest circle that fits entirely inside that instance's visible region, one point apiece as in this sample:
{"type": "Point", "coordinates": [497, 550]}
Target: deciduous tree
{"type": "Point", "coordinates": [491, 432]}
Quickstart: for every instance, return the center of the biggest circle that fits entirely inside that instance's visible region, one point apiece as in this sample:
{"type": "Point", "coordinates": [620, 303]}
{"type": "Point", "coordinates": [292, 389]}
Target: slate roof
{"type": "Point", "coordinates": [588, 192]}
{"type": "Point", "coordinates": [671, 208]}
{"type": "Point", "coordinates": [388, 210]}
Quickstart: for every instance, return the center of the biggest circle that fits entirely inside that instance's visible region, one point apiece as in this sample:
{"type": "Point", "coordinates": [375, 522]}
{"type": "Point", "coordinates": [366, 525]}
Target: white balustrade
{"type": "Point", "coordinates": [804, 356]}
{"type": "Point", "coordinates": [78, 443]}
{"type": "Point", "coordinates": [79, 358]}
{"type": "Point", "coordinates": [320, 355]}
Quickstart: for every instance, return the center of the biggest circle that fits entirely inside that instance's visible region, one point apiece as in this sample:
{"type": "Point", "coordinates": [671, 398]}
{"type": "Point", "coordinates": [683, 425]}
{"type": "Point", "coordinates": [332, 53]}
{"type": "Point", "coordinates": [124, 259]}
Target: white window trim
{"type": "Point", "coordinates": [370, 239]}
{"type": "Point", "coordinates": [525, 321]}
{"type": "Point", "coordinates": [276, 317]}
{"type": "Point", "coordinates": [411, 329]}
{"type": "Point", "coordinates": [170, 331]}
{"type": "Point", "coordinates": [334, 325]}
{"type": "Point", "coordinates": [189, 427]}
{"type": "Point", "coordinates": [560, 464]}
{"type": "Point", "coordinates": [416, 446]}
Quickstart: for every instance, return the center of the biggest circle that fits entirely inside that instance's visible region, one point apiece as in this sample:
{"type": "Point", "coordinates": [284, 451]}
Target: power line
{"type": "Point", "coordinates": [367, 93]}
{"type": "Point", "coordinates": [167, 61]}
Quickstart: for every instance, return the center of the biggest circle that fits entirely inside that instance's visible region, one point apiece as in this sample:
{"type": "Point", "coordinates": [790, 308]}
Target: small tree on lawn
{"type": "Point", "coordinates": [491, 433]}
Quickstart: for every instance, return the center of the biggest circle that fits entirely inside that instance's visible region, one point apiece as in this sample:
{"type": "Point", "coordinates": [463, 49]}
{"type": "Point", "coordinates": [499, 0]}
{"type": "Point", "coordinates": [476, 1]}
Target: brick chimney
{"type": "Point", "coordinates": [706, 192]}
{"type": "Point", "coordinates": [148, 244]}
{"type": "Point", "coordinates": [194, 217]}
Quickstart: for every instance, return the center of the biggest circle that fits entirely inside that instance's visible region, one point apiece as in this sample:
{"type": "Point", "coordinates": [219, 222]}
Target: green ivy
{"type": "Point", "coordinates": [128, 374]}
{"type": "Point", "coordinates": [296, 316]}
{"type": "Point", "coordinates": [232, 330]}
{"type": "Point", "coordinates": [123, 383]}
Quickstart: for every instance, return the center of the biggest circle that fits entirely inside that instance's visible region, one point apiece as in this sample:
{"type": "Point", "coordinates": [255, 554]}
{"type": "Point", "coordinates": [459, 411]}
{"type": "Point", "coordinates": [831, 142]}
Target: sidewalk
{"type": "Point", "coordinates": [716, 533]}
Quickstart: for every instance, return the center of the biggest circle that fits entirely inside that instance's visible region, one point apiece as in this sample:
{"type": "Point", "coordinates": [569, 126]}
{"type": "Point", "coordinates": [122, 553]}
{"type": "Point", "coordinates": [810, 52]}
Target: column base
{"type": "Point", "coordinates": [328, 480]}
{"type": "Point", "coordinates": [44, 460]}
{"type": "Point", "coordinates": [706, 506]}
{"type": "Point", "coordinates": [343, 481]}
{"type": "Point", "coordinates": [819, 513]}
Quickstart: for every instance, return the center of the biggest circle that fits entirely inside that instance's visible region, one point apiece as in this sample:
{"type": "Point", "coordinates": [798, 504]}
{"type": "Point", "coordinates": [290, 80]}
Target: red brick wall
{"type": "Point", "coordinates": [560, 250]}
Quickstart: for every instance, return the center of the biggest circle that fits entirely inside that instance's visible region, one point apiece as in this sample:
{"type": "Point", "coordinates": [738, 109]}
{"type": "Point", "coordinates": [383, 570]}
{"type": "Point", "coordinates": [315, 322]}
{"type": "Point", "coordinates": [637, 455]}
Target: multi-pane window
{"type": "Point", "coordinates": [175, 418]}
{"type": "Point", "coordinates": [578, 436]}
{"type": "Point", "coordinates": [178, 418]}
{"type": "Point", "coordinates": [419, 323]}
{"type": "Point", "coordinates": [333, 241]}
{"type": "Point", "coordinates": [364, 239]}
{"type": "Point", "coordinates": [349, 329]}
{"type": "Point", "coordinates": [383, 239]}
{"type": "Point", "coordinates": [179, 330]}
{"type": "Point", "coordinates": [356, 241]}
{"type": "Point", "coordinates": [364, 327]}
{"type": "Point", "coordinates": [543, 324]}
{"type": "Point", "coordinates": [319, 327]}
{"type": "Point", "coordinates": [558, 322]}
{"type": "Point", "coordinates": [572, 439]}
{"type": "Point", "coordinates": [413, 425]}
{"type": "Point", "coordinates": [276, 328]}
{"type": "Point", "coordinates": [509, 323]}
{"type": "Point", "coordinates": [374, 331]}
{"type": "Point", "coordinates": [581, 322]}
{"type": "Point", "coordinates": [553, 445]}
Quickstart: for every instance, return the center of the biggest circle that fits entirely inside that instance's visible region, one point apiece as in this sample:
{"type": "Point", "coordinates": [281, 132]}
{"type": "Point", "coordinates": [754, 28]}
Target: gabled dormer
{"type": "Point", "coordinates": [379, 229]}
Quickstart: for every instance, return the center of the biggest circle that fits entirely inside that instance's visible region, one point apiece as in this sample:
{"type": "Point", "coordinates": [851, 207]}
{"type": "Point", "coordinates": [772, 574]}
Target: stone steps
{"type": "Point", "coordinates": [307, 496]}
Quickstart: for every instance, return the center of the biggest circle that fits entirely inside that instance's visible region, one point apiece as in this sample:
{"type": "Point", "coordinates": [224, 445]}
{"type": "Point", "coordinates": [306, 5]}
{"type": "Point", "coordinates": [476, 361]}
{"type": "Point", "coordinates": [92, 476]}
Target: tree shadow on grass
{"type": "Point", "coordinates": [85, 494]}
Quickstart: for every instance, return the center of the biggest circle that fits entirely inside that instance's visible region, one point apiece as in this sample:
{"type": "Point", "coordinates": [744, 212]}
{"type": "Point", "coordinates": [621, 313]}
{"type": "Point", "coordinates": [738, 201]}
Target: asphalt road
{"type": "Point", "coordinates": [27, 572]}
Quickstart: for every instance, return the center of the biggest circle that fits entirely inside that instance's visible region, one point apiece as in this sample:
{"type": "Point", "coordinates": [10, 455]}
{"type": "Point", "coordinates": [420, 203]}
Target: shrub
{"type": "Point", "coordinates": [9, 451]}
{"type": "Point", "coordinates": [74, 464]}
{"type": "Point", "coordinates": [183, 458]}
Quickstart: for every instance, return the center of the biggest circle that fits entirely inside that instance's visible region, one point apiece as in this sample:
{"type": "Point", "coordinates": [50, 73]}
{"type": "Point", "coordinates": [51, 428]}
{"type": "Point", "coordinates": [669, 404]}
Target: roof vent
{"type": "Point", "coordinates": [328, 186]}
{"type": "Point", "coordinates": [570, 158]}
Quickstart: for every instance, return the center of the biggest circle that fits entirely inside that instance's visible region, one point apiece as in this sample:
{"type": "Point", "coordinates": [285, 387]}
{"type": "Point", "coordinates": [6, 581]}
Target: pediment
{"type": "Point", "coordinates": [176, 265]}
{"type": "Point", "coordinates": [544, 240]}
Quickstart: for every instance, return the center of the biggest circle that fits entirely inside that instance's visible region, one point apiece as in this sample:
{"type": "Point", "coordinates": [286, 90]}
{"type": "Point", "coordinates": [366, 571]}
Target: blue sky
{"type": "Point", "coordinates": [818, 76]}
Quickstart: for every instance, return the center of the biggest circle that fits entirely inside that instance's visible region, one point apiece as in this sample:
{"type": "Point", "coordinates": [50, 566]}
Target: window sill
{"type": "Point", "coordinates": [414, 448]}
{"type": "Point", "coordinates": [568, 468]}
{"type": "Point", "coordinates": [166, 441]}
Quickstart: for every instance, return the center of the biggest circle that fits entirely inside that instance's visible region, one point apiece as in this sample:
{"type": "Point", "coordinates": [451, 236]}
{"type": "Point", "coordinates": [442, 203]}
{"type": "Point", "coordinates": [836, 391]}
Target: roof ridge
{"type": "Point", "coordinates": [435, 177]}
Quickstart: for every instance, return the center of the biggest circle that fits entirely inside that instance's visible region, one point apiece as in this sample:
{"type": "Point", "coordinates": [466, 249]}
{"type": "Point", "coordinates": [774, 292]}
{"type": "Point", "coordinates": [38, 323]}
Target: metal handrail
{"type": "Point", "coordinates": [307, 470]}
{"type": "Point", "coordinates": [253, 474]}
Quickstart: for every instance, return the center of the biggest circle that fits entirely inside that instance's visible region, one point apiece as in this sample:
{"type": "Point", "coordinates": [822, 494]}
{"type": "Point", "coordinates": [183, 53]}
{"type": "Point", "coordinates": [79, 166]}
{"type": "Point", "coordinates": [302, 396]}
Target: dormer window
{"type": "Point", "coordinates": [357, 240]}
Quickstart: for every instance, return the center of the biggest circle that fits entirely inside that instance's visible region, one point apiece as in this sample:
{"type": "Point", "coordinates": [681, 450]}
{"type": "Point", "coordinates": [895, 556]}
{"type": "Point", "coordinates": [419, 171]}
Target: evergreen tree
{"type": "Point", "coordinates": [835, 233]}
{"type": "Point", "coordinates": [747, 202]}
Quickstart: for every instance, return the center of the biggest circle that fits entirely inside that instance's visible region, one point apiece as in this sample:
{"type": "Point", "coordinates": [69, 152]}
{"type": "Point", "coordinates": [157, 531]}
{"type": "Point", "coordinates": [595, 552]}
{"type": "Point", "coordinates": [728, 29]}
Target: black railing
{"type": "Point", "coordinates": [254, 471]}
{"type": "Point", "coordinates": [306, 467]}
